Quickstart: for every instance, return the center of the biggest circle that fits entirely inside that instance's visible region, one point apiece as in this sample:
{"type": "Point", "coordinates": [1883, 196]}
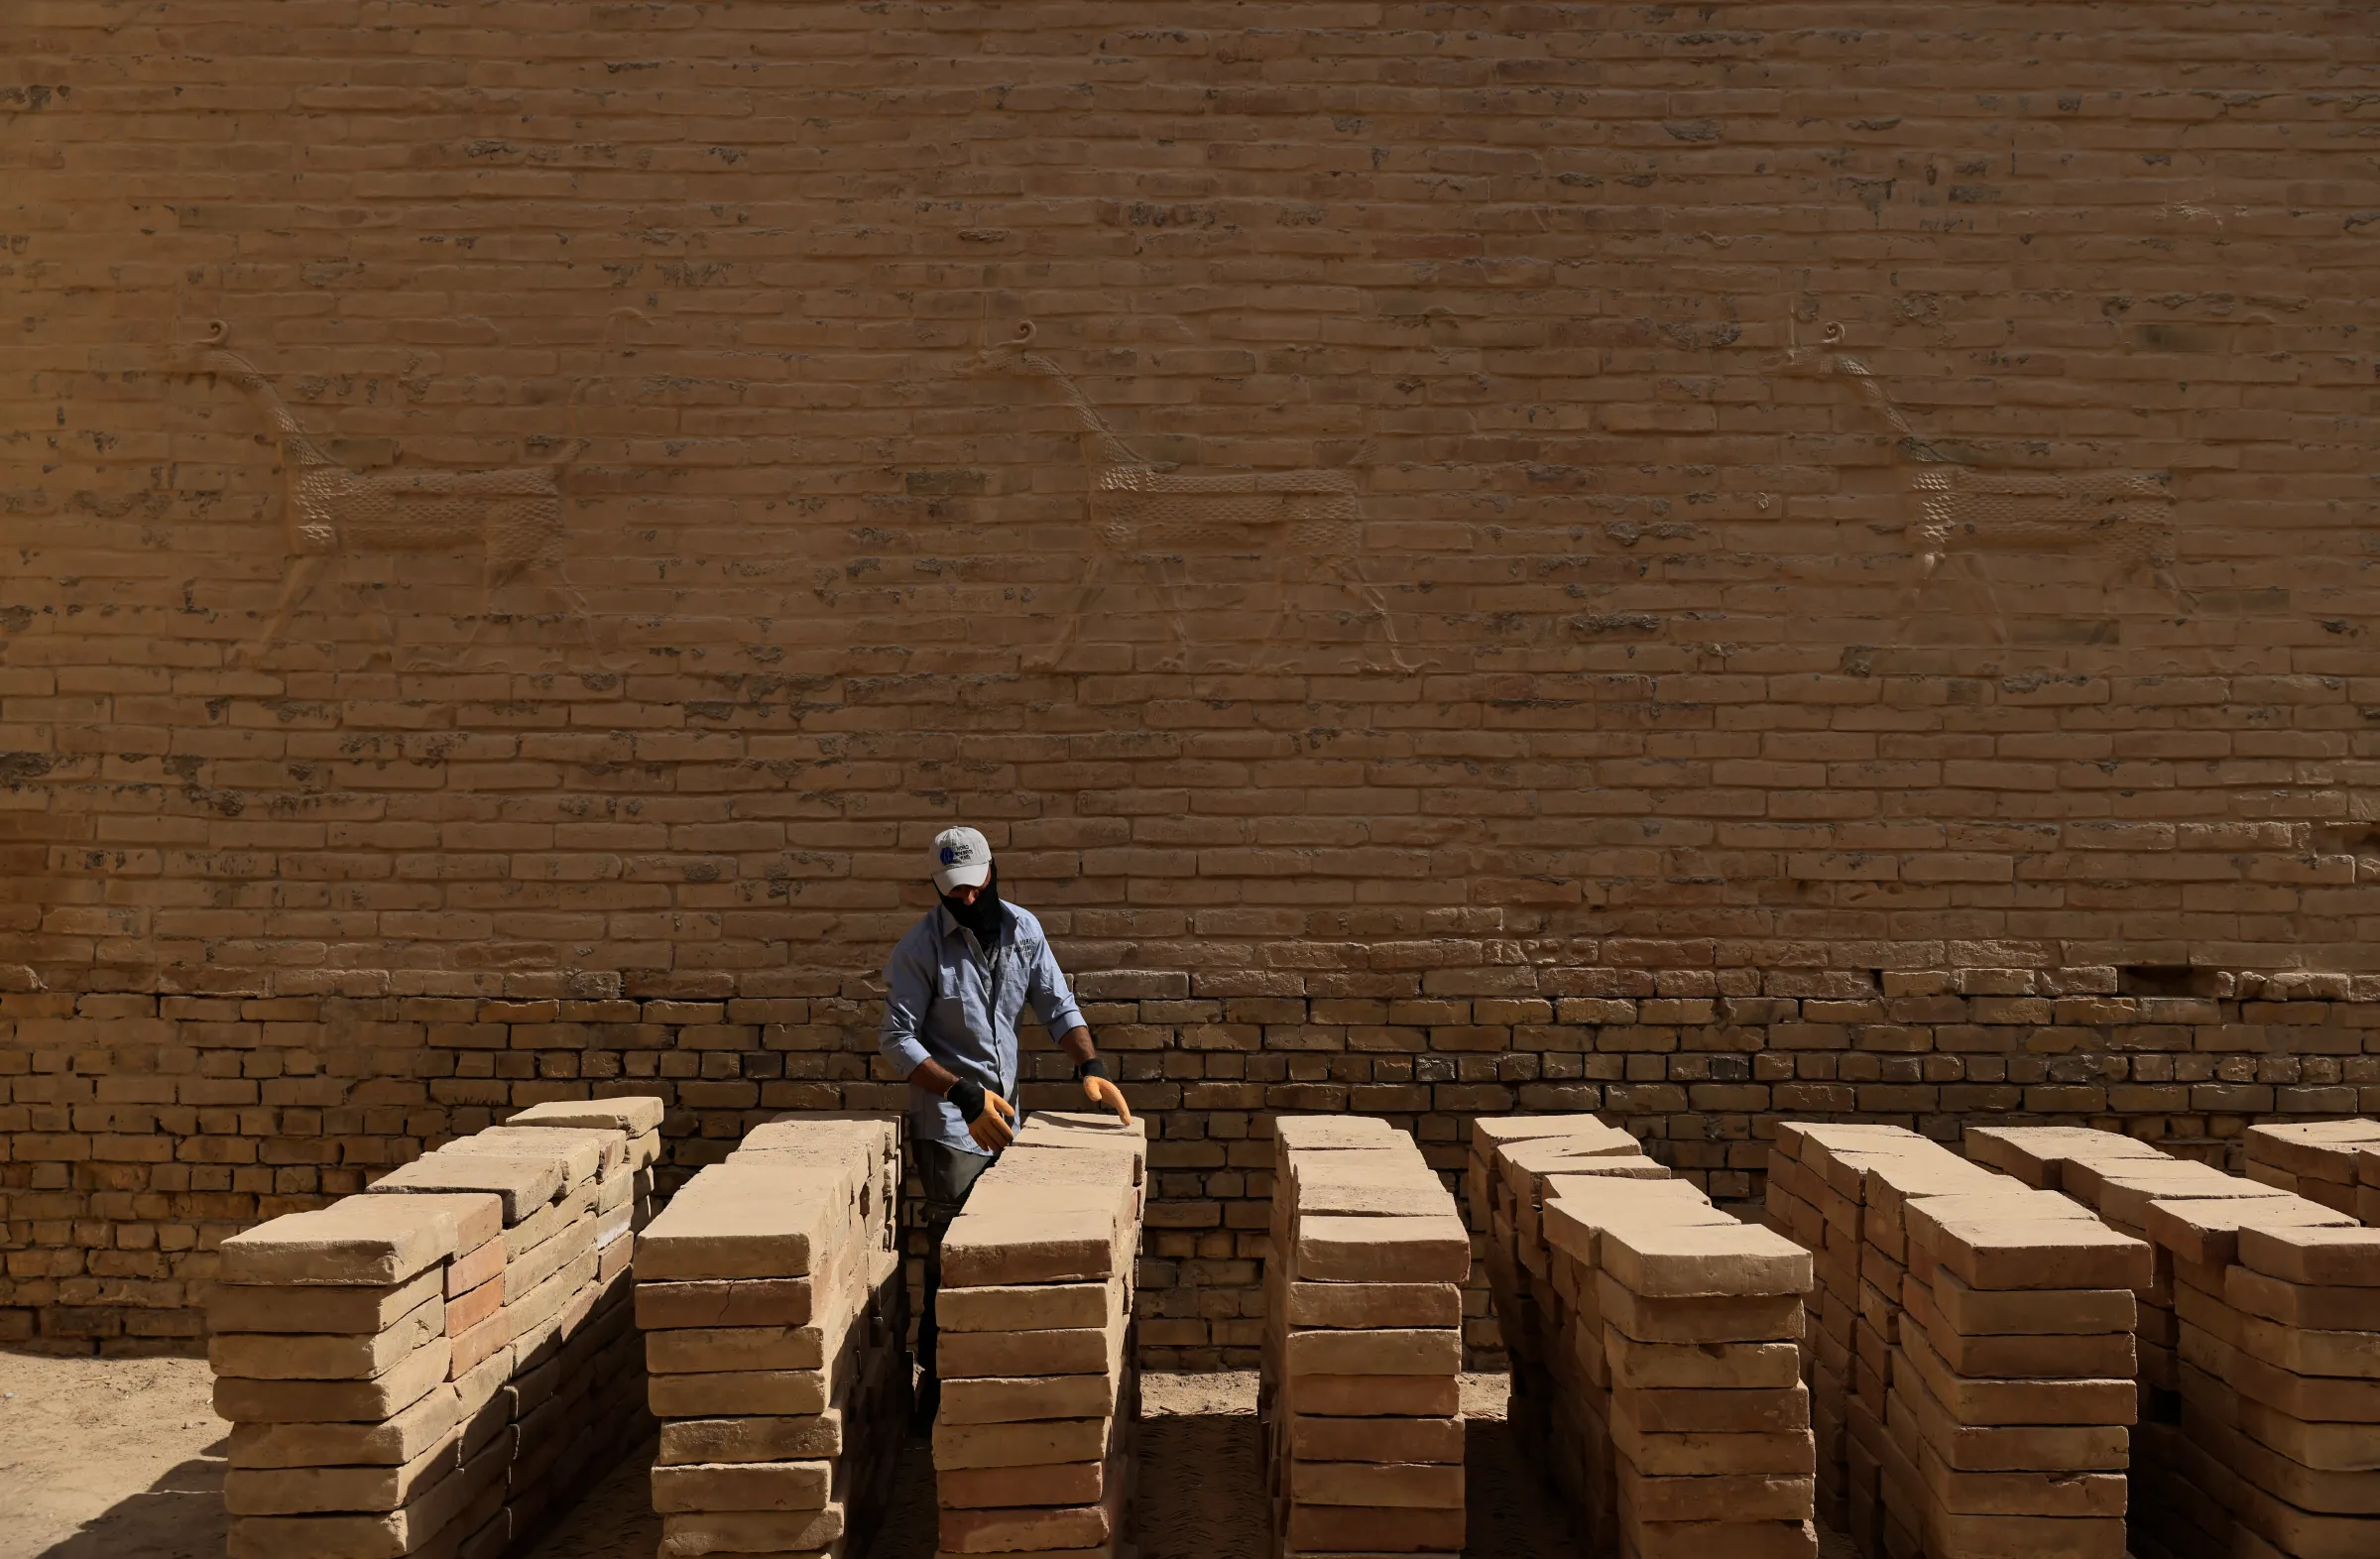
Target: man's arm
{"type": "Point", "coordinates": [1055, 1005]}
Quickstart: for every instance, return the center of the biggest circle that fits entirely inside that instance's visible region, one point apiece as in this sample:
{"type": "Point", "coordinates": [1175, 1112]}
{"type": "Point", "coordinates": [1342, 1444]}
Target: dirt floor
{"type": "Point", "coordinates": [123, 1459]}
{"type": "Point", "coordinates": [109, 1459]}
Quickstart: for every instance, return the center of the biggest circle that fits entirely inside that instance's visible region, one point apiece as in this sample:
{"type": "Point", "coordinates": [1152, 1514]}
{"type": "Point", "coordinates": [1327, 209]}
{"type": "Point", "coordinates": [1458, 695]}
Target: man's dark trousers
{"type": "Point", "coordinates": [948, 1175]}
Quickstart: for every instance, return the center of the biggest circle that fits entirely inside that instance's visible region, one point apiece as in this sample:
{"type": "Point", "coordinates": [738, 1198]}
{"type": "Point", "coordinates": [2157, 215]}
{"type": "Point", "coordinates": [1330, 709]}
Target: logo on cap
{"type": "Point", "coordinates": [950, 855]}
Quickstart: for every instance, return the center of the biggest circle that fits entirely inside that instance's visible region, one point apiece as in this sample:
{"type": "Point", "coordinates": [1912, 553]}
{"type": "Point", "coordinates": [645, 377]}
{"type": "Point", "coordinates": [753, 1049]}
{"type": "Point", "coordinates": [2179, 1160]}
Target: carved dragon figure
{"type": "Point", "coordinates": [1962, 510]}
{"type": "Point", "coordinates": [509, 518]}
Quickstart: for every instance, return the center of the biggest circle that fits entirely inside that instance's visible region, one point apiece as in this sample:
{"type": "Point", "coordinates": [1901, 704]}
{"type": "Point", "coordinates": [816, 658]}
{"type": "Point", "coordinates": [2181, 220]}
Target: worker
{"type": "Point", "coordinates": [953, 989]}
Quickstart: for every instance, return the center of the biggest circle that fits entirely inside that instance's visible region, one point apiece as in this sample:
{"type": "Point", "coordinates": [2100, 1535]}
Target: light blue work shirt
{"type": "Point", "coordinates": [947, 999]}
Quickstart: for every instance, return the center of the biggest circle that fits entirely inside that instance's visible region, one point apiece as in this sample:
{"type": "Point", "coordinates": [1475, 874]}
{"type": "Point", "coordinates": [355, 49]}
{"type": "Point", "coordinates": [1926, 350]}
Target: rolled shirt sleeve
{"type": "Point", "coordinates": [908, 992]}
{"type": "Point", "coordinates": [1046, 988]}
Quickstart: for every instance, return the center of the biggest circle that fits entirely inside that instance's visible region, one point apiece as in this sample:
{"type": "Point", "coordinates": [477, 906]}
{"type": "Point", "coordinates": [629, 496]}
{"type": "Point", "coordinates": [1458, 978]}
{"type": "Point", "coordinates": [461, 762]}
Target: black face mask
{"type": "Point", "coordinates": [983, 916]}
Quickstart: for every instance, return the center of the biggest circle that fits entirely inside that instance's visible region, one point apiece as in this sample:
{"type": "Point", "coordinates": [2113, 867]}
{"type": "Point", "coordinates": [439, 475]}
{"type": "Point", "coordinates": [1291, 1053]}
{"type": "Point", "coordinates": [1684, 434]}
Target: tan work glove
{"type": "Point", "coordinates": [1100, 1091]}
{"type": "Point", "coordinates": [996, 1127]}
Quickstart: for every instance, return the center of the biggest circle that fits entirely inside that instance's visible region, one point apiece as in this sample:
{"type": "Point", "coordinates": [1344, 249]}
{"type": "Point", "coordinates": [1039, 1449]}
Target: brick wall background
{"type": "Point", "coordinates": [1592, 730]}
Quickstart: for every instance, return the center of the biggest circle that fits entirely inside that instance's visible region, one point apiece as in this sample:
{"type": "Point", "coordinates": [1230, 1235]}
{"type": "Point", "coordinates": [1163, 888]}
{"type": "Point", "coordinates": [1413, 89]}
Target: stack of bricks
{"type": "Point", "coordinates": [1987, 1383]}
{"type": "Point", "coordinates": [775, 1320]}
{"type": "Point", "coordinates": [2273, 1304]}
{"type": "Point", "coordinates": [2113, 1175]}
{"type": "Point", "coordinates": [2013, 1383]}
{"type": "Point", "coordinates": [2334, 1162]}
{"type": "Point", "coordinates": [1035, 1449]}
{"type": "Point", "coordinates": [1361, 1392]}
{"type": "Point", "coordinates": [1519, 1166]}
{"type": "Point", "coordinates": [1686, 1325]}
{"type": "Point", "coordinates": [1842, 1192]}
{"type": "Point", "coordinates": [430, 1366]}
{"type": "Point", "coordinates": [2278, 1450]}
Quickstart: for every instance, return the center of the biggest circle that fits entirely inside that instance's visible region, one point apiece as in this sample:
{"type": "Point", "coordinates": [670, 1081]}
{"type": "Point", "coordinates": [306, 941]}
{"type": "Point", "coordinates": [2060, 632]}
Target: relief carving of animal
{"type": "Point", "coordinates": [2122, 519]}
{"type": "Point", "coordinates": [1157, 515]}
{"type": "Point", "coordinates": [508, 518]}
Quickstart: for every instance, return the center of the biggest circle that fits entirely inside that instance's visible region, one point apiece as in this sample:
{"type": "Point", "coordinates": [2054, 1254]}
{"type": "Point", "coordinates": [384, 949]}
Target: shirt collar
{"type": "Point", "coordinates": [949, 923]}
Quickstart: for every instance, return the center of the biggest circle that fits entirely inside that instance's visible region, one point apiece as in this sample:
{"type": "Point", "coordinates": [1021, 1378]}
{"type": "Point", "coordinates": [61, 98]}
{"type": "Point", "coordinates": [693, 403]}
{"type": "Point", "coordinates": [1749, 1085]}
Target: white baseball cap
{"type": "Point", "coordinates": [962, 858]}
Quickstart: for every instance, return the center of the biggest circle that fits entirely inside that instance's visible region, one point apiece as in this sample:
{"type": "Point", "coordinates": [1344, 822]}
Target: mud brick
{"type": "Point", "coordinates": [2036, 1312]}
{"type": "Point", "coordinates": [1735, 1539]}
{"type": "Point", "coordinates": [1030, 1306]}
{"type": "Point", "coordinates": [2321, 1447]}
{"type": "Point", "coordinates": [1046, 1442]}
{"type": "Point", "coordinates": [1372, 1529]}
{"type": "Point", "coordinates": [2325, 1398]}
{"type": "Point", "coordinates": [1427, 1248]}
{"type": "Point", "coordinates": [1369, 1305]}
{"type": "Point", "coordinates": [2319, 1307]}
{"type": "Point", "coordinates": [1375, 1439]}
{"type": "Point", "coordinates": [762, 1301]}
{"type": "Point", "coordinates": [1091, 1131]}
{"type": "Point", "coordinates": [1380, 1396]}
{"type": "Point", "coordinates": [2036, 1154]}
{"type": "Point", "coordinates": [479, 1343]}
{"type": "Point", "coordinates": [1718, 1319]}
{"type": "Point", "coordinates": [530, 1235]}
{"type": "Point", "coordinates": [1292, 1133]}
{"type": "Point", "coordinates": [310, 1488]}
{"type": "Point", "coordinates": [804, 1437]}
{"type": "Point", "coordinates": [701, 1349]}
{"type": "Point", "coordinates": [2207, 1231]}
{"type": "Point", "coordinates": [327, 1357]}
{"type": "Point", "coordinates": [692, 1534]}
{"type": "Point", "coordinates": [1681, 1263]}
{"type": "Point", "coordinates": [1417, 1352]}
{"type": "Point", "coordinates": [389, 1536]}
{"type": "Point", "coordinates": [1693, 1454]}
{"type": "Point", "coordinates": [1574, 1225]}
{"type": "Point", "coordinates": [2319, 1150]}
{"type": "Point", "coordinates": [1035, 1529]}
{"type": "Point", "coordinates": [633, 1116]}
{"type": "Point", "coordinates": [467, 1310]}
{"type": "Point", "coordinates": [1031, 1233]}
{"type": "Point", "coordinates": [522, 1276]}
{"type": "Point", "coordinates": [357, 1242]}
{"type": "Point", "coordinates": [2018, 1448]}
{"type": "Point", "coordinates": [1419, 1486]}
{"type": "Point", "coordinates": [2009, 1403]}
{"type": "Point", "coordinates": [1729, 1367]}
{"type": "Point", "coordinates": [742, 1486]}
{"type": "Point", "coordinates": [244, 1401]}
{"type": "Point", "coordinates": [585, 1153]}
{"type": "Point", "coordinates": [2049, 1537]}
{"type": "Point", "coordinates": [350, 1311]}
{"type": "Point", "coordinates": [1019, 1400]}
{"type": "Point", "coordinates": [1084, 1351]}
{"type": "Point", "coordinates": [1747, 1497]}
{"type": "Point", "coordinates": [407, 1436]}
{"type": "Point", "coordinates": [2345, 1257]}
{"type": "Point", "coordinates": [732, 1229]}
{"type": "Point", "coordinates": [2003, 1253]}
{"type": "Point", "coordinates": [1706, 1411]}
{"type": "Point", "coordinates": [522, 1183]}
{"type": "Point", "coordinates": [1004, 1488]}
{"type": "Point", "coordinates": [474, 1268]}
{"type": "Point", "coordinates": [2102, 1356]}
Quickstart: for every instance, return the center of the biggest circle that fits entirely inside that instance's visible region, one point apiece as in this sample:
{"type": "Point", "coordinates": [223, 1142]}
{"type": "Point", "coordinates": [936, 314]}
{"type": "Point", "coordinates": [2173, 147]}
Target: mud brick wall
{"type": "Point", "coordinates": [1579, 557]}
{"type": "Point", "coordinates": [142, 1130]}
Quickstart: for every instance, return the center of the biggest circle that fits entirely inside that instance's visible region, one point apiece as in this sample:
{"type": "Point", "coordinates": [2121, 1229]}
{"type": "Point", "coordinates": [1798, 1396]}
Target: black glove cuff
{"type": "Point", "coordinates": [1090, 1068]}
{"type": "Point", "coordinates": [967, 1095]}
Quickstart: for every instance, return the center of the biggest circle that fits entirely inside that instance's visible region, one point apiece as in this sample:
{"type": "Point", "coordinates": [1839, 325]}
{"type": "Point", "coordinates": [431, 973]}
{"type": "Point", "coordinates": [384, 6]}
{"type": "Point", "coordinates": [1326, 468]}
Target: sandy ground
{"type": "Point", "coordinates": [109, 1459]}
{"type": "Point", "coordinates": [123, 1459]}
